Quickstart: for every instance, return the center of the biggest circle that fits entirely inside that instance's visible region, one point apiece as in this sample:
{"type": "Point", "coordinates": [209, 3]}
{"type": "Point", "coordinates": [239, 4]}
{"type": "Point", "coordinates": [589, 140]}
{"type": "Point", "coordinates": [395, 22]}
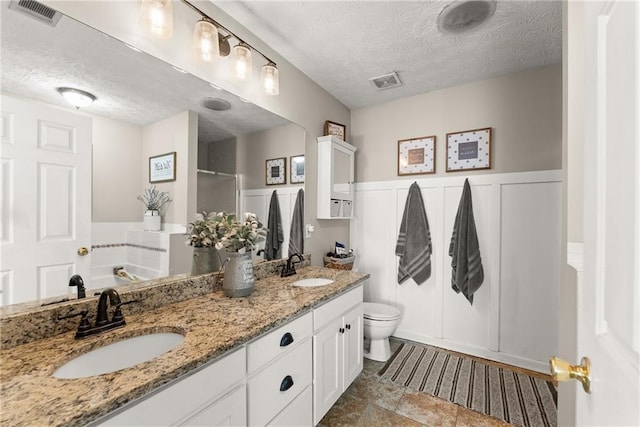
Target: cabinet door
{"type": "Point", "coordinates": [341, 173]}
{"type": "Point", "coordinates": [353, 342]}
{"type": "Point", "coordinates": [327, 368]}
{"type": "Point", "coordinates": [230, 410]}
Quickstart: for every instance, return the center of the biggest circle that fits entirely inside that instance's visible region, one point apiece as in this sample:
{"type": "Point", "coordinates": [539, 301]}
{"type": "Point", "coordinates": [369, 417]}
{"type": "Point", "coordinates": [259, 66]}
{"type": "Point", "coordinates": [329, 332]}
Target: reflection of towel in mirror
{"type": "Point", "coordinates": [466, 265]}
{"type": "Point", "coordinates": [414, 240]}
{"type": "Point", "coordinates": [275, 235]}
{"type": "Point", "coordinates": [296, 233]}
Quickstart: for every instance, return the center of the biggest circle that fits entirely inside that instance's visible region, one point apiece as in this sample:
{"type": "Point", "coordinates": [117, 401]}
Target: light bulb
{"type": "Point", "coordinates": [269, 79]}
{"type": "Point", "coordinates": [156, 17]}
{"type": "Point", "coordinates": [205, 41]}
{"type": "Point", "coordinates": [242, 64]}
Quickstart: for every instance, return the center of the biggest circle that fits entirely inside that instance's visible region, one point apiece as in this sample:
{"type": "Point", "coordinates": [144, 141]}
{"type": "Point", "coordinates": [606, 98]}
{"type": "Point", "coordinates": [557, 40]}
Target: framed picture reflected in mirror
{"type": "Point", "coordinates": [276, 171]}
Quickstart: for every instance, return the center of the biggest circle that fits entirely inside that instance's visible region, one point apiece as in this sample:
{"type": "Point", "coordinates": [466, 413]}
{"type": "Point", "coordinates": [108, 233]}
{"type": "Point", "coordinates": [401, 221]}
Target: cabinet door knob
{"type": "Point", "coordinates": [286, 339]}
{"type": "Point", "coordinates": [348, 326]}
{"type": "Point", "coordinates": [287, 383]}
{"type": "Point", "coordinates": [341, 330]}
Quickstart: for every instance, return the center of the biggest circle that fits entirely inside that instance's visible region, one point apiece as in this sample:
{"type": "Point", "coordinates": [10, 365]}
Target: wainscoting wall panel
{"type": "Point", "coordinates": [514, 316]}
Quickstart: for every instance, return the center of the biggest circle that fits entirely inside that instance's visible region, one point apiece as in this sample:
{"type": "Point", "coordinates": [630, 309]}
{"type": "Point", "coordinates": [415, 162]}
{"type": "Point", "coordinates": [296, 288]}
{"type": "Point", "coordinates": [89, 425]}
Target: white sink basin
{"type": "Point", "coordinates": [316, 281]}
{"type": "Point", "coordinates": [119, 355]}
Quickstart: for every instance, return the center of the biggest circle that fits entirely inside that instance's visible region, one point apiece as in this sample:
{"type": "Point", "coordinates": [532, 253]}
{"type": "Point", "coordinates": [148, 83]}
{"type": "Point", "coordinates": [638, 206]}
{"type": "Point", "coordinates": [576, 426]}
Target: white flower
{"type": "Point", "coordinates": [219, 245]}
{"type": "Point", "coordinates": [241, 250]}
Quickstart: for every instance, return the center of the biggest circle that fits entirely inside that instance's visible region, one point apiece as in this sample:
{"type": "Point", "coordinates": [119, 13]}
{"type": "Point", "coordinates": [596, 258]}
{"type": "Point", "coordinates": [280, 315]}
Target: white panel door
{"type": "Point", "coordinates": [46, 199]}
{"type": "Point", "coordinates": [609, 289]}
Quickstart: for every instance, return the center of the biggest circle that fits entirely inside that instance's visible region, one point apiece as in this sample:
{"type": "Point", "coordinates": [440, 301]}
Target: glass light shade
{"type": "Point", "coordinates": [76, 97]}
{"type": "Point", "coordinates": [205, 41]}
{"type": "Point", "coordinates": [269, 79]}
{"type": "Point", "coordinates": [156, 17]}
{"type": "Point", "coordinates": [242, 63]}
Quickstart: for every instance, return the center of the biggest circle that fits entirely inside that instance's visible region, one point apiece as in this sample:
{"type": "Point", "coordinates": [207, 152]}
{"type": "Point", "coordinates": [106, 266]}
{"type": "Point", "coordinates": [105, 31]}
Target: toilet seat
{"type": "Point", "coordinates": [382, 312]}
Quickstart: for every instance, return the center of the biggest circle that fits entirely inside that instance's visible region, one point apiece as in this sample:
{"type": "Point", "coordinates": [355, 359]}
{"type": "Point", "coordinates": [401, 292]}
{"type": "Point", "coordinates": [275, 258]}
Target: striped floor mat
{"type": "Point", "coordinates": [513, 397]}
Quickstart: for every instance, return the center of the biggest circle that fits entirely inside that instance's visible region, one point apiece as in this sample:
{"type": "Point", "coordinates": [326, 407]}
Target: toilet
{"type": "Point", "coordinates": [380, 321]}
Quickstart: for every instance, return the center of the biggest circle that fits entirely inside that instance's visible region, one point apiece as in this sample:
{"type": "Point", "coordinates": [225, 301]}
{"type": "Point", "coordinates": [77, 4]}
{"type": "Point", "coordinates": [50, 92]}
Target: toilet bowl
{"type": "Point", "coordinates": [380, 321]}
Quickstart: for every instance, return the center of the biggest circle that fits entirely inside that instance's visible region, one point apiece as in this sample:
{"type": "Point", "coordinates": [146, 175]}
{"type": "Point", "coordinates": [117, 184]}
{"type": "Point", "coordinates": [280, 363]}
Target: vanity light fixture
{"type": "Point", "coordinates": [157, 17]}
{"type": "Point", "coordinates": [242, 62]}
{"type": "Point", "coordinates": [76, 97]}
{"type": "Point", "coordinates": [205, 41]}
{"type": "Point", "coordinates": [269, 79]}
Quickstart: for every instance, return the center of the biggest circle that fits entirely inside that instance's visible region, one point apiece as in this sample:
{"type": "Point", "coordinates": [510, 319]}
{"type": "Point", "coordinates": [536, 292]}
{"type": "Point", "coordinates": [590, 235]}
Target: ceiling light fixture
{"type": "Point", "coordinates": [157, 17]}
{"type": "Point", "coordinates": [462, 16]}
{"type": "Point", "coordinates": [76, 97]}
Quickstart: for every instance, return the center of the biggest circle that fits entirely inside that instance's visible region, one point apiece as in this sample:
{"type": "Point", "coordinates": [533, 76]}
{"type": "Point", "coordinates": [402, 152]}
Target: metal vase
{"type": "Point", "coordinates": [238, 275]}
{"type": "Point", "coordinates": [205, 260]}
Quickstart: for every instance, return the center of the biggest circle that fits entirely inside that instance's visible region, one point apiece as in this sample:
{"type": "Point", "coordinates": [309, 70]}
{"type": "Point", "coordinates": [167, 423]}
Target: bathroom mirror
{"type": "Point", "coordinates": [138, 96]}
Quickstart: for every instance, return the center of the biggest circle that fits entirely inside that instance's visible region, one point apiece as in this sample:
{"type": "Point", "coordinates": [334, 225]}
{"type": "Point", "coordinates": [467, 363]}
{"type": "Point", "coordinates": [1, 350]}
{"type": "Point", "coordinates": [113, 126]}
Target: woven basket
{"type": "Point", "coordinates": [339, 263]}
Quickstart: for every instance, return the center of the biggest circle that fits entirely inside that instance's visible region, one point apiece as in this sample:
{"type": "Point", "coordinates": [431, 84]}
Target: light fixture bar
{"type": "Point", "coordinates": [230, 33]}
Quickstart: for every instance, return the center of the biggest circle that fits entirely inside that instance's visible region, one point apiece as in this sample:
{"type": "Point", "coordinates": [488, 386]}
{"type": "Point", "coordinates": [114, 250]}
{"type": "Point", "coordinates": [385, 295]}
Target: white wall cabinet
{"type": "Point", "coordinates": [337, 349]}
{"type": "Point", "coordinates": [336, 162]}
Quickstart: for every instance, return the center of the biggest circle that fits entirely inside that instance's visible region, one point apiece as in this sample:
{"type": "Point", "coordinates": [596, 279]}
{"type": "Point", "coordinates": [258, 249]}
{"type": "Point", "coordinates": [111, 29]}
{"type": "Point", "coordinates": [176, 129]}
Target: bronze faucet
{"type": "Point", "coordinates": [102, 317]}
{"type": "Point", "coordinates": [289, 269]}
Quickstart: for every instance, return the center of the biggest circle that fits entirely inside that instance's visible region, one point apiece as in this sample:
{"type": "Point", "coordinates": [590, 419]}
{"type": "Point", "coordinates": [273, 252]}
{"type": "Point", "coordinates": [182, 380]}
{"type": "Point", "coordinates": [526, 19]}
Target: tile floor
{"type": "Point", "coordinates": [372, 401]}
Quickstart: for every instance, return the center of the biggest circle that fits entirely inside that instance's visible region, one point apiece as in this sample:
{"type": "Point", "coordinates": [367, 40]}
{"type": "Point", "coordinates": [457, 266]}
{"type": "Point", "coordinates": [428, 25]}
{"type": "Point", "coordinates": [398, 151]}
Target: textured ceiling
{"type": "Point", "coordinates": [130, 86]}
{"type": "Point", "coordinates": [341, 44]}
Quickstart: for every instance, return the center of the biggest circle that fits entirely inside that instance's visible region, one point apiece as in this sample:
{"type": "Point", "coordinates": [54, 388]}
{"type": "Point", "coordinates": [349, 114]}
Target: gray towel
{"type": "Point", "coordinates": [466, 265]}
{"type": "Point", "coordinates": [296, 234]}
{"type": "Point", "coordinates": [275, 235]}
{"type": "Point", "coordinates": [414, 240]}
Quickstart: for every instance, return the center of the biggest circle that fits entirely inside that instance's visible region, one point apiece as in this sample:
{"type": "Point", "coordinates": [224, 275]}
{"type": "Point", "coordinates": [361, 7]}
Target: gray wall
{"type": "Point", "coordinates": [524, 109]}
{"type": "Point", "coordinates": [254, 149]}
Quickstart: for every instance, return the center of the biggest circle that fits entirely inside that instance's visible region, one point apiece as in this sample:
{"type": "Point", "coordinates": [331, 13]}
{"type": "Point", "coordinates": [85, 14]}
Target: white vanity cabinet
{"type": "Point", "coordinates": [336, 161]}
{"type": "Point", "coordinates": [279, 375]}
{"type": "Point", "coordinates": [337, 349]}
{"type": "Point", "coordinates": [290, 376]}
{"type": "Point", "coordinates": [213, 395]}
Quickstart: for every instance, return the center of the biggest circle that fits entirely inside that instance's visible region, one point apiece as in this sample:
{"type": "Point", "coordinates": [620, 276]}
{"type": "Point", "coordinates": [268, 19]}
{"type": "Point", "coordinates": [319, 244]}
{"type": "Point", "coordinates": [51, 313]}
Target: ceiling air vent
{"type": "Point", "coordinates": [387, 81]}
{"type": "Point", "coordinates": [36, 10]}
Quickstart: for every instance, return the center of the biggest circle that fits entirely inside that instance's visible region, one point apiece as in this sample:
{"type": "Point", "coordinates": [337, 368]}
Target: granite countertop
{"type": "Point", "coordinates": [213, 324]}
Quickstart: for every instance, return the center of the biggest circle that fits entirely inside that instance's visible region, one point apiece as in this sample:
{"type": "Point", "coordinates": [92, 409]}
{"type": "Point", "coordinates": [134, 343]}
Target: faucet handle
{"type": "Point", "coordinates": [117, 314]}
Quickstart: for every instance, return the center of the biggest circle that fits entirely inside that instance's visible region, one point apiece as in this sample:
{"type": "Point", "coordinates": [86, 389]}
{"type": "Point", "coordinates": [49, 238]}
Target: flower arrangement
{"type": "Point", "coordinates": [154, 199]}
{"type": "Point", "coordinates": [223, 230]}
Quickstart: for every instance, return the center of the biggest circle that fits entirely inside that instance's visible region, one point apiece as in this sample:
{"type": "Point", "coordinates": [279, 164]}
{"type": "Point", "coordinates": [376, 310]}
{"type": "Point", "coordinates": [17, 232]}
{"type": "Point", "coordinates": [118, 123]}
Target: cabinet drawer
{"type": "Point", "coordinates": [229, 410]}
{"type": "Point", "coordinates": [336, 307]}
{"type": "Point", "coordinates": [297, 413]}
{"type": "Point", "coordinates": [184, 396]}
{"type": "Point", "coordinates": [277, 342]}
{"type": "Point", "coordinates": [265, 398]}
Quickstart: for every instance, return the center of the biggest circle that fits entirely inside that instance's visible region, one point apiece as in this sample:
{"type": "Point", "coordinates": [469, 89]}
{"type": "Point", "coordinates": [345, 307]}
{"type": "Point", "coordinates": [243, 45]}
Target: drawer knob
{"type": "Point", "coordinates": [286, 339]}
{"type": "Point", "coordinates": [287, 383]}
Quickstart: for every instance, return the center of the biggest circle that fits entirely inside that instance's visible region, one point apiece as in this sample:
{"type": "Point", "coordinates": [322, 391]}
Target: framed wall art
{"type": "Point", "coordinates": [417, 156]}
{"type": "Point", "coordinates": [469, 150]}
{"type": "Point", "coordinates": [335, 129]}
{"type": "Point", "coordinates": [296, 165]}
{"type": "Point", "coordinates": [276, 171]}
{"type": "Point", "coordinates": [162, 168]}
